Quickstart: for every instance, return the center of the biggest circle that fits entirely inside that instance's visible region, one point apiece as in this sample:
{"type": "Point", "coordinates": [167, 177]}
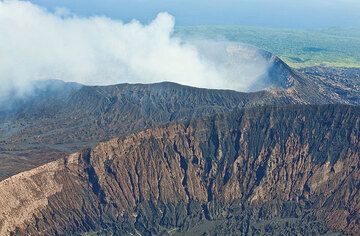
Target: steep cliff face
{"type": "Point", "coordinates": [66, 117]}
{"type": "Point", "coordinates": [259, 171]}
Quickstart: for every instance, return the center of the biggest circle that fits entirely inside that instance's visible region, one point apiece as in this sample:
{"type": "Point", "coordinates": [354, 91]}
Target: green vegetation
{"type": "Point", "coordinates": [335, 47]}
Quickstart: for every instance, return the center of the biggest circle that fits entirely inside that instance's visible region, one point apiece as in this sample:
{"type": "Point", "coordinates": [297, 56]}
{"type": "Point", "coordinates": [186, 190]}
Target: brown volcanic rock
{"type": "Point", "coordinates": [260, 171]}
{"type": "Point", "coordinates": [64, 117]}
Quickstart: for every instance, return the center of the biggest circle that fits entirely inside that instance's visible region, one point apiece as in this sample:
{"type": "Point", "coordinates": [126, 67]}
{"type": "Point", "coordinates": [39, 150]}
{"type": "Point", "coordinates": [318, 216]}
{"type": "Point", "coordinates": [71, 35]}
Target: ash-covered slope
{"type": "Point", "coordinates": [342, 81]}
{"type": "Point", "coordinates": [62, 121]}
{"type": "Point", "coordinates": [92, 114]}
{"type": "Point", "coordinates": [268, 170]}
{"type": "Point", "coordinates": [38, 97]}
{"type": "Point", "coordinates": [60, 118]}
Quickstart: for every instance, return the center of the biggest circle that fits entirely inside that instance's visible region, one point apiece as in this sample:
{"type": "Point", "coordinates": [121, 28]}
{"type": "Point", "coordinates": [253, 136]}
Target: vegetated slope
{"type": "Point", "coordinates": [266, 170]}
{"type": "Point", "coordinates": [331, 47]}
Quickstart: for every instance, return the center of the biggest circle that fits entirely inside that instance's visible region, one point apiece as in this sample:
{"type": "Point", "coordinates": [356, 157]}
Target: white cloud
{"type": "Point", "coordinates": [36, 44]}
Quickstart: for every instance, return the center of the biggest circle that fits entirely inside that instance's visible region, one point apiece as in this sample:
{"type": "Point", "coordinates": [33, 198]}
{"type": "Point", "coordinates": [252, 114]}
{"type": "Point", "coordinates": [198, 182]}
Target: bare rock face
{"type": "Point", "coordinates": [63, 117]}
{"type": "Point", "coordinates": [290, 170]}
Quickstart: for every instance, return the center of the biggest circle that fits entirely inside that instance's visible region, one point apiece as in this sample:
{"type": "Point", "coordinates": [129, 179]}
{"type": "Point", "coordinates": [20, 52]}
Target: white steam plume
{"type": "Point", "coordinates": [36, 44]}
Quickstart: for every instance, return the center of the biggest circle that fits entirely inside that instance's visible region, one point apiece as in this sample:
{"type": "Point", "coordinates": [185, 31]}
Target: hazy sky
{"type": "Point", "coordinates": [273, 13]}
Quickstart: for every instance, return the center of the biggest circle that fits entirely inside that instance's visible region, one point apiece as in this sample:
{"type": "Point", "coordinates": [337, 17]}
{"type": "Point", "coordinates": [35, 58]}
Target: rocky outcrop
{"type": "Point", "coordinates": [269, 170]}
{"type": "Point", "coordinates": [64, 117]}
{"type": "Point", "coordinates": [26, 194]}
